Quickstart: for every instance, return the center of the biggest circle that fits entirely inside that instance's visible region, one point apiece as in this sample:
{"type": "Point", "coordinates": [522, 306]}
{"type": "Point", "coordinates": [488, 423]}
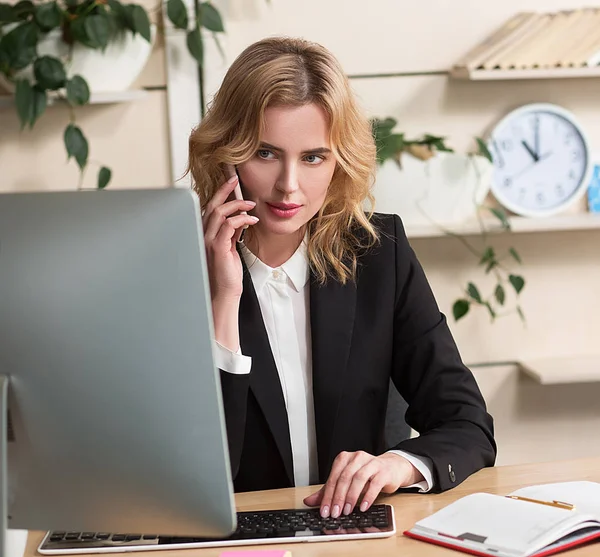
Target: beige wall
{"type": "Point", "coordinates": [131, 138]}
{"type": "Point", "coordinates": [536, 422]}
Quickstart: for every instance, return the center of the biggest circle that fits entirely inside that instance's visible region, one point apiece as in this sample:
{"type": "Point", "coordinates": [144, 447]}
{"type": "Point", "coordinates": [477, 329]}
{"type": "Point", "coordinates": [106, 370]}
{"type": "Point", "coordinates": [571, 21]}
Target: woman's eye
{"type": "Point", "coordinates": [264, 153]}
{"type": "Point", "coordinates": [314, 159]}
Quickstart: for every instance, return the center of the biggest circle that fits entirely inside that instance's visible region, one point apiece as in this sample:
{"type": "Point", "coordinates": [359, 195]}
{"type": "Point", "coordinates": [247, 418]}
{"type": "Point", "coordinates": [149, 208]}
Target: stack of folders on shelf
{"type": "Point", "coordinates": [527, 41]}
{"type": "Point", "coordinates": [530, 522]}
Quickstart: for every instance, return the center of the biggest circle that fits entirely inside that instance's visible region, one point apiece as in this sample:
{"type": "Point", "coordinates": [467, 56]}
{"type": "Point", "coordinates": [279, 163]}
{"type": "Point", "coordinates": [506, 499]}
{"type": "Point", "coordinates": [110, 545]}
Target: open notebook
{"type": "Point", "coordinates": [542, 520]}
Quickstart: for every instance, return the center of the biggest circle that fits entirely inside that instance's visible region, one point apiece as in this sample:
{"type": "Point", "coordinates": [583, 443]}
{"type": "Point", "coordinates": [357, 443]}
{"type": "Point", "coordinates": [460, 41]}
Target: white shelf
{"type": "Point", "coordinates": [107, 97]}
{"type": "Point", "coordinates": [560, 371]}
{"type": "Point", "coordinates": [539, 73]}
{"type": "Point", "coordinates": [111, 97]}
{"type": "Point", "coordinates": [570, 222]}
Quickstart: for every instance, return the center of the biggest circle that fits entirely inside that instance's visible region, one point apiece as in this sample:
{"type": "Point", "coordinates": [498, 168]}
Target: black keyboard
{"type": "Point", "coordinates": [280, 526]}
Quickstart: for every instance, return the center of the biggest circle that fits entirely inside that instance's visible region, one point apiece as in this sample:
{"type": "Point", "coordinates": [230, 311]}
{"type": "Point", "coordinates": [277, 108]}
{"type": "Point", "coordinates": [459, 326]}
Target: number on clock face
{"type": "Point", "coordinates": [540, 161]}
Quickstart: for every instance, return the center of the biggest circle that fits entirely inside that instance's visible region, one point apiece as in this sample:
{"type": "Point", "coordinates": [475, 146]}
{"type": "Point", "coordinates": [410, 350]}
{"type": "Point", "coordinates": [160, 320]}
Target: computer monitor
{"type": "Point", "coordinates": [115, 414]}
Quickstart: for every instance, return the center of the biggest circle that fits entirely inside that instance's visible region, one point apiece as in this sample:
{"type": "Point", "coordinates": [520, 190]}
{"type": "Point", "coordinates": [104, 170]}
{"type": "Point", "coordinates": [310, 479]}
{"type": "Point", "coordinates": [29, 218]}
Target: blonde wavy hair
{"type": "Point", "coordinates": [293, 72]}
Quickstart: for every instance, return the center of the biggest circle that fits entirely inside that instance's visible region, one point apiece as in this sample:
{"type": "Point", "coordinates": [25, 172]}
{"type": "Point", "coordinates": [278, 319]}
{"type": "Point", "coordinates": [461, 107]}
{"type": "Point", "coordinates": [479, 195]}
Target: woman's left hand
{"type": "Point", "coordinates": [359, 473]}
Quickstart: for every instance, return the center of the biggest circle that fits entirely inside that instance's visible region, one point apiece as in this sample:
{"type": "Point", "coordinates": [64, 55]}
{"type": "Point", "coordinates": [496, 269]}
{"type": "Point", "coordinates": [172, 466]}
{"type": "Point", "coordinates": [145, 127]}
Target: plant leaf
{"type": "Point", "coordinates": [24, 100]}
{"type": "Point", "coordinates": [23, 9]}
{"type": "Point", "coordinates": [195, 46]}
{"type": "Point", "coordinates": [140, 21]}
{"type": "Point", "coordinates": [76, 145]}
{"type": "Point", "coordinates": [7, 14]}
{"type": "Point", "coordinates": [473, 292]}
{"type": "Point", "coordinates": [500, 294]}
{"type": "Point", "coordinates": [483, 150]}
{"type": "Point", "coordinates": [211, 18]}
{"type": "Point", "coordinates": [49, 73]}
{"type": "Point", "coordinates": [177, 13]}
{"type": "Point", "coordinates": [488, 255]}
{"type": "Point", "coordinates": [389, 147]}
{"type": "Point", "coordinates": [436, 141]}
{"type": "Point", "coordinates": [500, 214]}
{"type": "Point", "coordinates": [460, 308]}
{"type": "Point", "coordinates": [382, 128]}
{"type": "Point", "coordinates": [490, 266]}
{"type": "Point", "coordinates": [517, 281]}
{"type": "Point", "coordinates": [38, 106]}
{"type": "Point", "coordinates": [97, 30]}
{"type": "Point", "coordinates": [119, 12]}
{"type": "Point", "coordinates": [18, 46]}
{"type": "Point", "coordinates": [104, 176]}
{"type": "Point", "coordinates": [48, 16]}
{"type": "Point", "coordinates": [515, 255]}
{"type": "Point", "coordinates": [78, 92]}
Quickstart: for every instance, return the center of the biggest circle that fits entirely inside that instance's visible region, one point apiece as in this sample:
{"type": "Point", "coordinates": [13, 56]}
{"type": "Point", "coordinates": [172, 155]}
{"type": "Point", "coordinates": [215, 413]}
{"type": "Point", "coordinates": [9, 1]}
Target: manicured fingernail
{"type": "Point", "coordinates": [251, 203]}
{"type": "Point", "coordinates": [232, 179]}
{"type": "Point", "coordinates": [336, 511]}
{"type": "Point", "coordinates": [347, 508]}
{"type": "Point", "coordinates": [253, 218]}
{"type": "Point", "coordinates": [363, 506]}
{"type": "Point", "coordinates": [325, 512]}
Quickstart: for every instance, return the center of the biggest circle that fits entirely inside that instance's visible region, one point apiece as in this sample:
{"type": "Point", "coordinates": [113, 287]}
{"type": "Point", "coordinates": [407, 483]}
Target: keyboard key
{"type": "Point", "coordinates": [71, 536]}
{"type": "Point", "coordinates": [87, 536]}
{"type": "Point", "coordinates": [102, 536]}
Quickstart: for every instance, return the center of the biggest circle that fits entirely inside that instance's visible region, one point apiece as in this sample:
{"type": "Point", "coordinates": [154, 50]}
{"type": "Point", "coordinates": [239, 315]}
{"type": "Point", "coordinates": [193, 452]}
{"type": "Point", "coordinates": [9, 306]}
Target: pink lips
{"type": "Point", "coordinates": [284, 210]}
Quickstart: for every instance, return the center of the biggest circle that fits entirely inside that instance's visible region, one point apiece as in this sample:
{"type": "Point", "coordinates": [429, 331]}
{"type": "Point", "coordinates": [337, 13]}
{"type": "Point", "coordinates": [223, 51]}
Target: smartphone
{"type": "Point", "coordinates": [237, 192]}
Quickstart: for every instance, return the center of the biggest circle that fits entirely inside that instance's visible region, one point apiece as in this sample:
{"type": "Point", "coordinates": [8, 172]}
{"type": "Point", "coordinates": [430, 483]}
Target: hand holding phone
{"type": "Point", "coordinates": [223, 220]}
{"type": "Point", "coordinates": [237, 192]}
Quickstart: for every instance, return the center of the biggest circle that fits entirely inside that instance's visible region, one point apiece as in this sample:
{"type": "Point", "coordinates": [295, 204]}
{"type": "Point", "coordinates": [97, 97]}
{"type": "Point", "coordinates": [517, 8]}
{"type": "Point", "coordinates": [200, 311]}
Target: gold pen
{"type": "Point", "coordinates": [558, 504]}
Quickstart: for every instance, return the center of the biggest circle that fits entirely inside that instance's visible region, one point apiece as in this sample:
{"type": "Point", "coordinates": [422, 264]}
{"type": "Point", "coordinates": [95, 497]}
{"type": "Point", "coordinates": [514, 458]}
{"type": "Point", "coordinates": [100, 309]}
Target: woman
{"type": "Point", "coordinates": [322, 303]}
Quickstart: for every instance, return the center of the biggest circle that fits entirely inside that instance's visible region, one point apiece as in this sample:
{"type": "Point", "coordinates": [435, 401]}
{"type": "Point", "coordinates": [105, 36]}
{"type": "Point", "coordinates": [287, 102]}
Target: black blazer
{"type": "Point", "coordinates": [385, 324]}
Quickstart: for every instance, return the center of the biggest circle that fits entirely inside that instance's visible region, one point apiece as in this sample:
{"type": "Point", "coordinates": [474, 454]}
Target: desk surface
{"type": "Point", "coordinates": [409, 508]}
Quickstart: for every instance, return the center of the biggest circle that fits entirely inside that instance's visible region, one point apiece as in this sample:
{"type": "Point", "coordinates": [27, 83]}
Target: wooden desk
{"type": "Point", "coordinates": [409, 508]}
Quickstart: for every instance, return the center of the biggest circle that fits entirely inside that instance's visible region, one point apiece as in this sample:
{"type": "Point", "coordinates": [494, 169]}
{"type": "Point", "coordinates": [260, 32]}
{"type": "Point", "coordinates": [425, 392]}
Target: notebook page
{"type": "Point", "coordinates": [505, 525]}
{"type": "Point", "coordinates": [584, 495]}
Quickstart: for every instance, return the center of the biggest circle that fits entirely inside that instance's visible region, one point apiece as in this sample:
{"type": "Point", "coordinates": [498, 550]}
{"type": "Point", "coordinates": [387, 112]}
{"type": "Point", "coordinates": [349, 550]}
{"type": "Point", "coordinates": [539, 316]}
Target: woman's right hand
{"type": "Point", "coordinates": [222, 225]}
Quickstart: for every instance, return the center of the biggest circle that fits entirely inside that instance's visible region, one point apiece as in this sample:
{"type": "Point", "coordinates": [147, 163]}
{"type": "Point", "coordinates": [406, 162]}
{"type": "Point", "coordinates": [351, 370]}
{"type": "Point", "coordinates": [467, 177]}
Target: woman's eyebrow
{"type": "Point", "coordinates": [316, 151]}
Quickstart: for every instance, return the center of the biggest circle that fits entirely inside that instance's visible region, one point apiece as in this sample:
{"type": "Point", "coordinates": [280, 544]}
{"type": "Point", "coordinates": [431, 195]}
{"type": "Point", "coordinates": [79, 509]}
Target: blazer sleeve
{"type": "Point", "coordinates": [445, 405]}
{"type": "Point", "coordinates": [234, 388]}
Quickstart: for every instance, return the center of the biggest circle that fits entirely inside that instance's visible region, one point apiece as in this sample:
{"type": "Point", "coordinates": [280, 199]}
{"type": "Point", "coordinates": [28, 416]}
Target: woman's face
{"type": "Point", "coordinates": [289, 175]}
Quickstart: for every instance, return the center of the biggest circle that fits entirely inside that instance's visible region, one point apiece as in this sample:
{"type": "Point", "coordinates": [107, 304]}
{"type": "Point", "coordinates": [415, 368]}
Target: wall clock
{"type": "Point", "coordinates": [541, 160]}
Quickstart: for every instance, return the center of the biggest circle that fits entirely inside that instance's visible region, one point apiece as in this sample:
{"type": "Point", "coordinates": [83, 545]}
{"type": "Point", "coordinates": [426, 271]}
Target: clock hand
{"type": "Point", "coordinates": [528, 167]}
{"type": "Point", "coordinates": [534, 156]}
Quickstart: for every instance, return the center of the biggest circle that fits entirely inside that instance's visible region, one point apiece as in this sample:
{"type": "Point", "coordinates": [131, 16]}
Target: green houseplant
{"type": "Point", "coordinates": [93, 24]}
{"type": "Point", "coordinates": [392, 145]}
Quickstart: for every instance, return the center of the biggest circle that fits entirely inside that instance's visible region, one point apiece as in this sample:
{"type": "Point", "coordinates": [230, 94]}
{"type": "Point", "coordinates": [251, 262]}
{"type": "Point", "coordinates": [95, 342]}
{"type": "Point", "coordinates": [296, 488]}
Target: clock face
{"type": "Point", "coordinates": [541, 160]}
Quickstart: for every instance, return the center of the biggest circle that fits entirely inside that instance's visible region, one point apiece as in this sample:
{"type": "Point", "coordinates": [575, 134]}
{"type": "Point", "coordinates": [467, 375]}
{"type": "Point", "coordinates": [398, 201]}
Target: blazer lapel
{"type": "Point", "coordinates": [264, 379]}
{"type": "Point", "coordinates": [332, 309]}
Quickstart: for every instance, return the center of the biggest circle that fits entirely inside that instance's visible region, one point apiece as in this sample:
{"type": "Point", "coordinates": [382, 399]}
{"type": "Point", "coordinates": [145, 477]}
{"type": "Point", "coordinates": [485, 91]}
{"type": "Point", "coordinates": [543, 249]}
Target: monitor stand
{"type": "Point", "coordinates": [12, 542]}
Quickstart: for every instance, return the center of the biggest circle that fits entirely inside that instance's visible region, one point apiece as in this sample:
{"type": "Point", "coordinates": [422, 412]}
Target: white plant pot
{"type": "Point", "coordinates": [16, 542]}
{"type": "Point", "coordinates": [445, 190]}
{"type": "Point", "coordinates": [114, 69]}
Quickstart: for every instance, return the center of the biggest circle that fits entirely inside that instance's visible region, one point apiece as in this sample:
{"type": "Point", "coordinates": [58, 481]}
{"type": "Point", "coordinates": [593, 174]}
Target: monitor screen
{"type": "Point", "coordinates": [114, 402]}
